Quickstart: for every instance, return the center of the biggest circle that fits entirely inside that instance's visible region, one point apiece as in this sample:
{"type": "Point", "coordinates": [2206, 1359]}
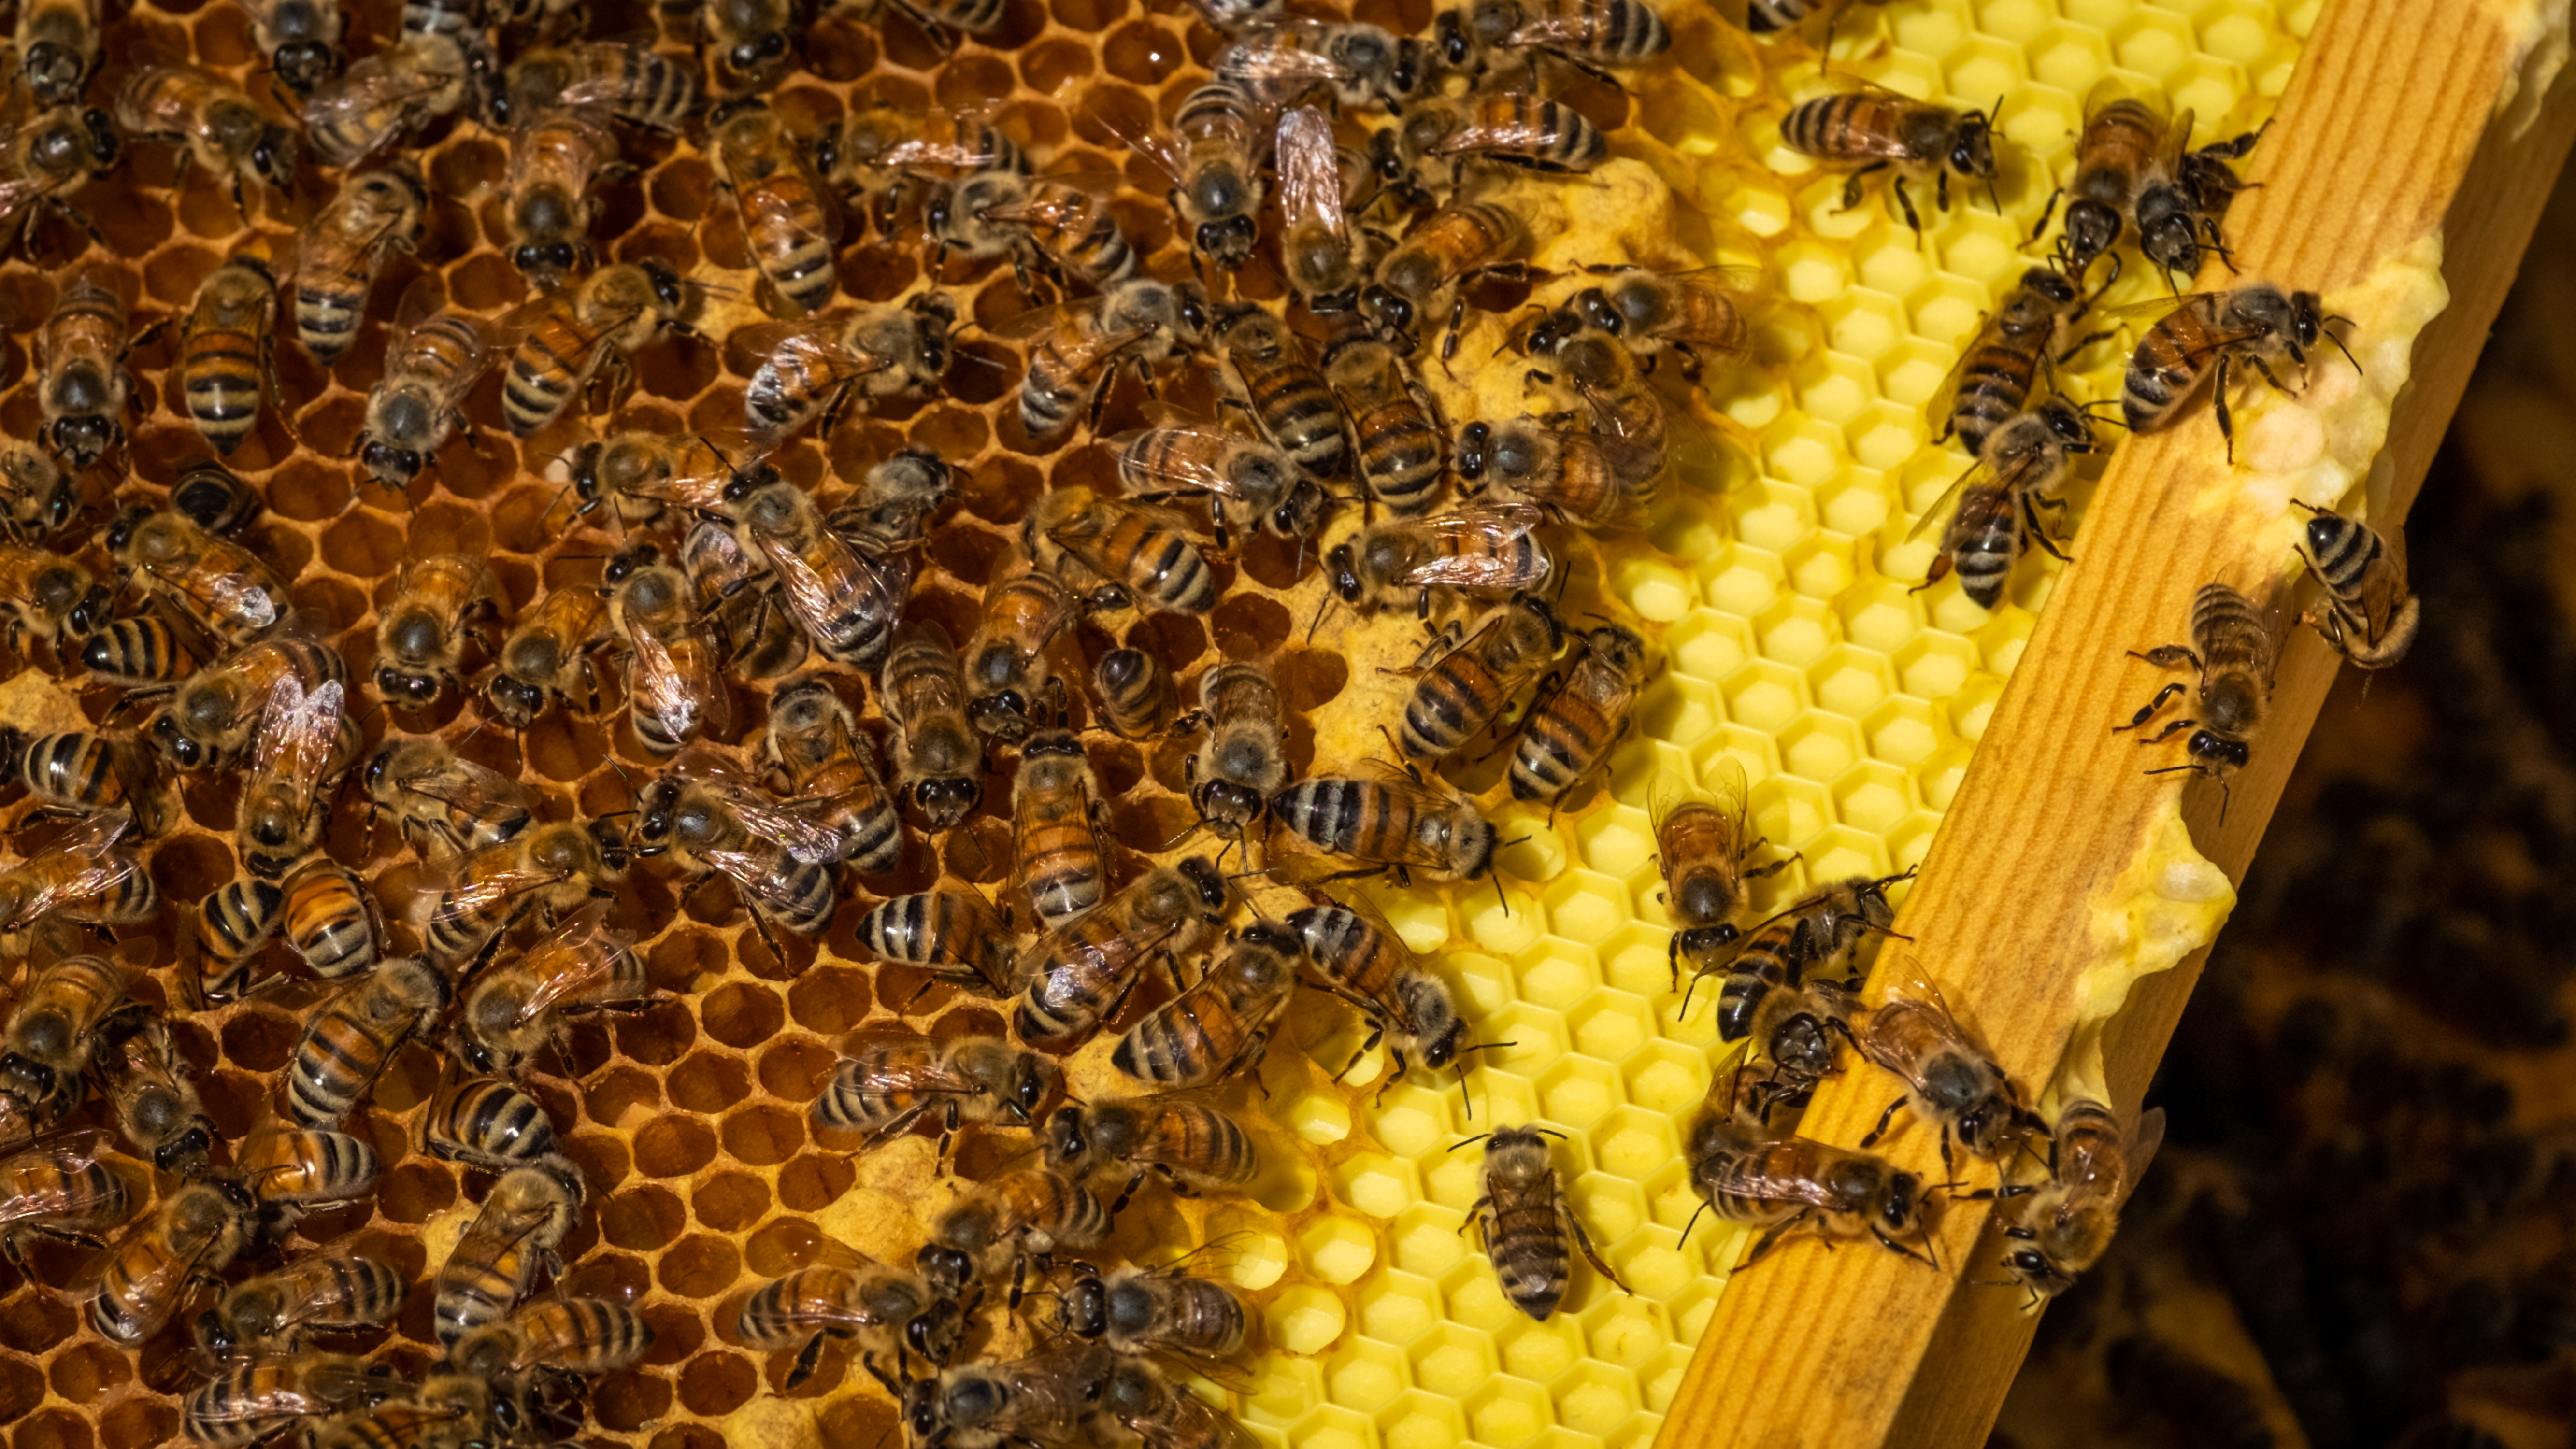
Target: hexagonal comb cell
{"type": "Point", "coordinates": [1776, 588]}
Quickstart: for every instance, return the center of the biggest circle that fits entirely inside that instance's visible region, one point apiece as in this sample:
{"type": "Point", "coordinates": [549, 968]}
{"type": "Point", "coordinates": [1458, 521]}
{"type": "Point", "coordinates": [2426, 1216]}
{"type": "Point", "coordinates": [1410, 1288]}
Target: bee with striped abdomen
{"type": "Point", "coordinates": [1593, 479]}
{"type": "Point", "coordinates": [1514, 129]}
{"type": "Point", "coordinates": [938, 756]}
{"type": "Point", "coordinates": [1061, 846]}
{"type": "Point", "coordinates": [1164, 1312]}
{"type": "Point", "coordinates": [552, 192]}
{"type": "Point", "coordinates": [215, 126]}
{"type": "Point", "coordinates": [877, 153]}
{"type": "Point", "coordinates": [1006, 665]}
{"type": "Point", "coordinates": [305, 747]}
{"type": "Point", "coordinates": [215, 582]}
{"type": "Point", "coordinates": [594, 326]}
{"type": "Point", "coordinates": [1265, 372]}
{"type": "Point", "coordinates": [83, 878]}
{"type": "Point", "coordinates": [629, 81]}
{"type": "Point", "coordinates": [2093, 1166]}
{"type": "Point", "coordinates": [375, 214]}
{"type": "Point", "coordinates": [547, 654]}
{"type": "Point", "coordinates": [1523, 1218]}
{"type": "Point", "coordinates": [292, 1171]}
{"type": "Point", "coordinates": [848, 601]}
{"type": "Point", "coordinates": [329, 919]}
{"type": "Point", "coordinates": [642, 475]}
{"type": "Point", "coordinates": [1398, 824]}
{"type": "Point", "coordinates": [582, 966]}
{"type": "Point", "coordinates": [893, 1080]}
{"type": "Point", "coordinates": [2233, 652]}
{"type": "Point", "coordinates": [552, 869]}
{"type": "Point", "coordinates": [56, 1030]}
{"type": "Point", "coordinates": [1020, 1219]}
{"type": "Point", "coordinates": [57, 48]}
{"type": "Point", "coordinates": [1490, 551]}
{"type": "Point", "coordinates": [1246, 485]}
{"type": "Point", "coordinates": [1992, 382]}
{"type": "Point", "coordinates": [209, 718]}
{"type": "Point", "coordinates": [348, 1043]}
{"type": "Point", "coordinates": [2207, 335]}
{"type": "Point", "coordinates": [1165, 1415]}
{"type": "Point", "coordinates": [788, 219]}
{"type": "Point", "coordinates": [1192, 1145]}
{"type": "Point", "coordinates": [1471, 679]}
{"type": "Point", "coordinates": [815, 744]}
{"type": "Point", "coordinates": [1360, 959]}
{"type": "Point", "coordinates": [1588, 35]}
{"type": "Point", "coordinates": [1074, 351]}
{"type": "Point", "coordinates": [253, 1399]}
{"type": "Point", "coordinates": [1221, 1024]}
{"type": "Point", "coordinates": [138, 653]}
{"type": "Point", "coordinates": [1696, 314]}
{"type": "Point", "coordinates": [782, 863]}
{"type": "Point", "coordinates": [1080, 973]}
{"type": "Point", "coordinates": [887, 1310]}
{"type": "Point", "coordinates": [1209, 156]}
{"type": "Point", "coordinates": [955, 935]}
{"type": "Point", "coordinates": [508, 1244]}
{"type": "Point", "coordinates": [1134, 695]}
{"type": "Point", "coordinates": [1243, 762]}
{"type": "Point", "coordinates": [193, 1234]}
{"type": "Point", "coordinates": [1049, 1397]}
{"type": "Point", "coordinates": [233, 922]}
{"type": "Point", "coordinates": [1125, 552]}
{"type": "Point", "coordinates": [385, 98]}
{"type": "Point", "coordinates": [1704, 850]}
{"type": "Point", "coordinates": [321, 1292]}
{"type": "Point", "coordinates": [438, 603]}
{"type": "Point", "coordinates": [583, 1336]}
{"type": "Point", "coordinates": [675, 684]}
{"type": "Point", "coordinates": [891, 507]}
{"type": "Point", "coordinates": [1766, 17]}
{"type": "Point", "coordinates": [148, 1089]}
{"type": "Point", "coordinates": [1779, 1183]}
{"type": "Point", "coordinates": [1875, 129]}
{"type": "Point", "coordinates": [884, 350]}
{"type": "Point", "coordinates": [1949, 1079]}
{"type": "Point", "coordinates": [1289, 58]}
{"type": "Point", "coordinates": [1401, 446]}
{"type": "Point", "coordinates": [420, 399]}
{"type": "Point", "coordinates": [80, 371]}
{"type": "Point", "coordinates": [2179, 203]}
{"type": "Point", "coordinates": [1318, 247]}
{"type": "Point", "coordinates": [2369, 616]}
{"type": "Point", "coordinates": [2123, 143]}
{"type": "Point", "coordinates": [1063, 229]}
{"type": "Point", "coordinates": [82, 772]}
{"type": "Point", "coordinates": [488, 1123]}
{"type": "Point", "coordinates": [59, 1190]}
{"type": "Point", "coordinates": [1574, 723]}
{"type": "Point", "coordinates": [443, 806]}
{"type": "Point", "coordinates": [301, 39]}
{"type": "Point", "coordinates": [445, 1411]}
{"type": "Point", "coordinates": [226, 351]}
{"type": "Point", "coordinates": [2024, 463]}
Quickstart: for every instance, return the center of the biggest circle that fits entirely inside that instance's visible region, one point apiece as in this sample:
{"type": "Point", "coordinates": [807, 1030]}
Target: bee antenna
{"type": "Point", "coordinates": [1686, 1227]}
{"type": "Point", "coordinates": [2338, 342]}
{"type": "Point", "coordinates": [1469, 1141]}
{"type": "Point", "coordinates": [1321, 605]}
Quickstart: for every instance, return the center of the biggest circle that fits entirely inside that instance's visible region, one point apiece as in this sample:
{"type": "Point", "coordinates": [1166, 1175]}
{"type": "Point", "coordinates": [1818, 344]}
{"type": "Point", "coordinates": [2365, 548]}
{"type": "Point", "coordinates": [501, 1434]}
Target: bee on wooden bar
{"type": "Point", "coordinates": [1134, 694]}
{"type": "Point", "coordinates": [1439, 261]}
{"type": "Point", "coordinates": [226, 350]}
{"type": "Point", "coordinates": [507, 1245]}
{"type": "Point", "coordinates": [2233, 652]}
{"type": "Point", "coordinates": [81, 772]}
{"type": "Point", "coordinates": [1391, 823]}
{"type": "Point", "coordinates": [487, 1122]}
{"type": "Point", "coordinates": [1475, 677]}
{"type": "Point", "coordinates": [1080, 973]}
{"type": "Point", "coordinates": [2093, 1166]}
{"type": "Point", "coordinates": [2205, 336]}
{"type": "Point", "coordinates": [1246, 484]}
{"type": "Point", "coordinates": [56, 1030]}
{"type": "Point", "coordinates": [214, 582]}
{"type": "Point", "coordinates": [321, 1292]}
{"type": "Point", "coordinates": [1779, 1184]}
{"type": "Point", "coordinates": [957, 936]}
{"type": "Point", "coordinates": [583, 966]}
{"type": "Point", "coordinates": [1362, 960]}
{"type": "Point", "coordinates": [1876, 129]}
{"type": "Point", "coordinates": [1191, 1145]}
{"type": "Point", "coordinates": [2369, 616]}
{"type": "Point", "coordinates": [1588, 35]}
{"type": "Point", "coordinates": [2180, 201]}
{"type": "Point", "coordinates": [1578, 719]}
{"type": "Point", "coordinates": [445, 807]}
{"type": "Point", "coordinates": [571, 337]}
{"type": "Point", "coordinates": [1005, 660]}
{"type": "Point", "coordinates": [57, 48]}
{"type": "Point", "coordinates": [815, 744]}
{"type": "Point", "coordinates": [156, 1107]}
{"type": "Point", "coordinates": [1400, 445]}
{"type": "Point", "coordinates": [1130, 552]}
{"type": "Point", "coordinates": [1948, 1079]}
{"type": "Point", "coordinates": [376, 213]}
{"type": "Point", "coordinates": [1704, 849]}
{"type": "Point", "coordinates": [1489, 551]}
{"type": "Point", "coordinates": [938, 756]}
{"type": "Point", "coordinates": [145, 1276]}
{"type": "Point", "coordinates": [553, 868]}
{"type": "Point", "coordinates": [59, 1190]}
{"type": "Point", "coordinates": [894, 1080]}
{"type": "Point", "coordinates": [348, 1043]}
{"type": "Point", "coordinates": [675, 684]}
{"type": "Point", "coordinates": [1522, 1218]}
{"type": "Point", "coordinates": [1993, 508]}
{"type": "Point", "coordinates": [213, 123]}
{"type": "Point", "coordinates": [1221, 1025]}
{"type": "Point", "coordinates": [887, 1310]}
{"type": "Point", "coordinates": [788, 219]}
{"type": "Point", "coordinates": [1162, 1312]}
{"type": "Point", "coordinates": [822, 369]}
{"type": "Point", "coordinates": [552, 191]}
{"type": "Point", "coordinates": [781, 862]}
{"type": "Point", "coordinates": [421, 398]}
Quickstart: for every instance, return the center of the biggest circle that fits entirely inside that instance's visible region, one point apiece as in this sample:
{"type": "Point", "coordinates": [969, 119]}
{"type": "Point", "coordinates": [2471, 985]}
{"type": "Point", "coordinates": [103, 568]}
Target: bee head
{"type": "Point", "coordinates": [1226, 800]}
{"type": "Point", "coordinates": [1342, 566]}
{"type": "Point", "coordinates": [390, 464]}
{"type": "Point", "coordinates": [1471, 461]}
{"type": "Point", "coordinates": [619, 568]}
{"type": "Point", "coordinates": [403, 687]}
{"type": "Point", "coordinates": [1084, 1308]}
{"type": "Point", "coordinates": [666, 282]}
{"type": "Point", "coordinates": [214, 1335]}
{"type": "Point", "coordinates": [273, 156]}
{"type": "Point", "coordinates": [947, 1270]}
{"type": "Point", "coordinates": [1441, 1050]}
{"type": "Point", "coordinates": [1972, 147]}
{"type": "Point", "coordinates": [184, 752]}
{"type": "Point", "coordinates": [546, 258]}
{"type": "Point", "coordinates": [1066, 1139]}
{"type": "Point", "coordinates": [302, 64]}
{"type": "Point", "coordinates": [946, 802]}
{"type": "Point", "coordinates": [1449, 33]}
{"type": "Point", "coordinates": [83, 439]}
{"type": "Point", "coordinates": [1210, 883]}
{"type": "Point", "coordinates": [1412, 61]}
{"type": "Point", "coordinates": [1896, 1210]}
{"type": "Point", "coordinates": [89, 612]}
{"type": "Point", "coordinates": [1303, 512]}
{"type": "Point", "coordinates": [1228, 241]}
{"type": "Point", "coordinates": [185, 1154]}
{"type": "Point", "coordinates": [2219, 752]}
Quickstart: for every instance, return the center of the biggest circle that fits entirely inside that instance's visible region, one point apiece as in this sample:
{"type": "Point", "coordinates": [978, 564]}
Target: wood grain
{"type": "Point", "coordinates": [2383, 135]}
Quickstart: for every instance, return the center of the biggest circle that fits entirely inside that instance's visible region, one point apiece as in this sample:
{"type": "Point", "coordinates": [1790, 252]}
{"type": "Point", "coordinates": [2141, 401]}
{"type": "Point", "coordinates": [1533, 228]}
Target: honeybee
{"type": "Point", "coordinates": [321, 1292]}
{"type": "Point", "coordinates": [675, 685]}
{"type": "Point", "coordinates": [628, 81]}
{"type": "Point", "coordinates": [1704, 850]}
{"type": "Point", "coordinates": [147, 1086]}
{"type": "Point", "coordinates": [1167, 1417]}
{"type": "Point", "coordinates": [1474, 677]}
{"type": "Point", "coordinates": [1266, 373]}
{"type": "Point", "coordinates": [509, 1242]}
{"type": "Point", "coordinates": [847, 601]}
{"type": "Point", "coordinates": [1005, 660]}
{"type": "Point", "coordinates": [1360, 64]}
{"type": "Point", "coordinates": [1243, 762]}
{"type": "Point", "coordinates": [85, 773]}
{"type": "Point", "coordinates": [137, 653]}
{"type": "Point", "coordinates": [57, 48]}
{"type": "Point", "coordinates": [1766, 997]}
{"type": "Point", "coordinates": [1589, 35]}
{"type": "Point", "coordinates": [1435, 265]}
{"type": "Point", "coordinates": [956, 936]}
{"type": "Point", "coordinates": [1134, 694]}
{"type": "Point", "coordinates": [214, 124]}
{"type": "Point", "coordinates": [641, 474]}
{"type": "Point", "coordinates": [1998, 501]}
{"type": "Point", "coordinates": [892, 505]}
{"type": "Point", "coordinates": [329, 919]}
{"type": "Point", "coordinates": [782, 863]}
{"type": "Point", "coordinates": [392, 94]}
{"type": "Point", "coordinates": [350, 1041]}
{"type": "Point", "coordinates": [749, 40]}
{"type": "Point", "coordinates": [56, 1030]}
{"type": "Point", "coordinates": [252, 1399]}
{"type": "Point", "coordinates": [1137, 553]}
{"type": "Point", "coordinates": [444, 807]}
{"type": "Point", "coordinates": [1401, 450]}
{"type": "Point", "coordinates": [33, 1099]}
{"type": "Point", "coordinates": [582, 966]}
{"type": "Point", "coordinates": [1875, 129]}
{"type": "Point", "coordinates": [421, 398]}
{"type": "Point", "coordinates": [302, 752]}
{"type": "Point", "coordinates": [1361, 960]}
{"type": "Point", "coordinates": [895, 1080]}
{"type": "Point", "coordinates": [211, 716]}
{"type": "Point", "coordinates": [556, 157]}
{"type": "Point", "coordinates": [566, 1335]}
{"type": "Point", "coordinates": [52, 153]}
{"type": "Point", "coordinates": [1396, 825]}
{"type": "Point", "coordinates": [233, 922]}
{"type": "Point", "coordinates": [815, 743]}
{"type": "Point", "coordinates": [195, 1232]}
{"type": "Point", "coordinates": [1523, 1217]}
{"type": "Point", "coordinates": [1949, 1079]}
{"type": "Point", "coordinates": [1317, 252]}
{"type": "Point", "coordinates": [888, 1310]}
{"type": "Point", "coordinates": [1991, 383]}
{"type": "Point", "coordinates": [2369, 616]}
{"type": "Point", "coordinates": [1221, 1024]}
{"type": "Point", "coordinates": [938, 756]}
{"type": "Point", "coordinates": [547, 654]}
{"type": "Point", "coordinates": [1499, 127]}
{"type": "Point", "coordinates": [1079, 973]}
{"type": "Point", "coordinates": [446, 1411]}
{"type": "Point", "coordinates": [1020, 1217]}
{"type": "Point", "coordinates": [301, 39]}
{"type": "Point", "coordinates": [289, 1171]}
{"type": "Point", "coordinates": [886, 349]}
{"type": "Point", "coordinates": [1247, 484]}
{"type": "Point", "coordinates": [2092, 1167]}
{"type": "Point", "coordinates": [36, 497]}
{"type": "Point", "coordinates": [788, 219]}
{"type": "Point", "coordinates": [82, 878]}
{"type": "Point", "coordinates": [1590, 479]}
{"type": "Point", "coordinates": [1696, 314]}
{"type": "Point", "coordinates": [574, 335]}
{"type": "Point", "coordinates": [1061, 845]}
{"type": "Point", "coordinates": [2206, 335]}
{"type": "Point", "coordinates": [1764, 17]}
{"type": "Point", "coordinates": [1041, 225]}
{"type": "Point", "coordinates": [48, 596]}
{"type": "Point", "coordinates": [1209, 157]}
{"type": "Point", "coordinates": [2233, 652]}
{"type": "Point", "coordinates": [1488, 551]}
{"type": "Point", "coordinates": [225, 351]}
{"type": "Point", "coordinates": [1076, 349]}
{"type": "Point", "coordinates": [81, 381]}
{"type": "Point", "coordinates": [1577, 720]}
{"type": "Point", "coordinates": [552, 868]}
{"type": "Point", "coordinates": [487, 1122]}
{"type": "Point", "coordinates": [221, 586]}
{"type": "Point", "coordinates": [420, 636]}
{"type": "Point", "coordinates": [877, 152]}
{"type": "Point", "coordinates": [59, 1190]}
{"type": "Point", "coordinates": [1050, 1397]}
{"type": "Point", "coordinates": [1780, 1183]}
{"type": "Point", "coordinates": [1192, 1146]}
{"type": "Point", "coordinates": [1165, 1312]}
{"type": "Point", "coordinates": [2178, 209]}
{"type": "Point", "coordinates": [2122, 144]}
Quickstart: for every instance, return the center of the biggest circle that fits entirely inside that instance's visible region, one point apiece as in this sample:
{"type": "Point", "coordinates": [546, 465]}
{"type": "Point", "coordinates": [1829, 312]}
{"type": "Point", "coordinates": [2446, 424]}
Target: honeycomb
{"type": "Point", "coordinates": [1776, 577]}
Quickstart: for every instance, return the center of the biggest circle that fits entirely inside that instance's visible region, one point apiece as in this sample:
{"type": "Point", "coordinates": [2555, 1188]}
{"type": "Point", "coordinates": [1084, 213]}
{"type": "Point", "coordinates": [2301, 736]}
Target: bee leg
{"type": "Point", "coordinates": [1583, 1240]}
{"type": "Point", "coordinates": [1884, 1118]}
{"type": "Point", "coordinates": [807, 1361]}
{"type": "Point", "coordinates": [2147, 711]}
{"type": "Point", "coordinates": [1128, 1193]}
{"type": "Point", "coordinates": [1771, 1238]}
{"type": "Point", "coordinates": [1905, 203]}
{"type": "Point", "coordinates": [2175, 728]}
{"type": "Point", "coordinates": [1852, 187]}
{"type": "Point", "coordinates": [2218, 404]}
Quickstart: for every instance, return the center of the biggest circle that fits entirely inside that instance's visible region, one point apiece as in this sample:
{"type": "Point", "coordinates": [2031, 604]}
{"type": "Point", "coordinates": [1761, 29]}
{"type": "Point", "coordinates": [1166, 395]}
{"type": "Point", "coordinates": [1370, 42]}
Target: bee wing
{"type": "Point", "coordinates": [239, 595]}
{"type": "Point", "coordinates": [1310, 171]}
{"type": "Point", "coordinates": [2178, 133]}
{"type": "Point", "coordinates": [1505, 522]}
{"type": "Point", "coordinates": [809, 840]}
{"type": "Point", "coordinates": [69, 1157]}
{"type": "Point", "coordinates": [479, 794]}
{"type": "Point", "coordinates": [1940, 509]}
{"type": "Point", "coordinates": [814, 598]}
{"type": "Point", "coordinates": [296, 733]}
{"type": "Point", "coordinates": [1513, 136]}
{"type": "Point", "coordinates": [1041, 321]}
{"type": "Point", "coordinates": [1154, 145]}
{"type": "Point", "coordinates": [680, 699]}
{"type": "Point", "coordinates": [2144, 1139]}
{"type": "Point", "coordinates": [2111, 88]}
{"type": "Point", "coordinates": [89, 835]}
{"type": "Point", "coordinates": [1186, 475]}
{"type": "Point", "coordinates": [348, 101]}
{"type": "Point", "coordinates": [818, 354]}
{"type": "Point", "coordinates": [472, 892]}
{"type": "Point", "coordinates": [1754, 1175]}
{"type": "Point", "coordinates": [950, 140]}
{"type": "Point", "coordinates": [755, 878]}
{"type": "Point", "coordinates": [1271, 60]}
{"type": "Point", "coordinates": [588, 945]}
